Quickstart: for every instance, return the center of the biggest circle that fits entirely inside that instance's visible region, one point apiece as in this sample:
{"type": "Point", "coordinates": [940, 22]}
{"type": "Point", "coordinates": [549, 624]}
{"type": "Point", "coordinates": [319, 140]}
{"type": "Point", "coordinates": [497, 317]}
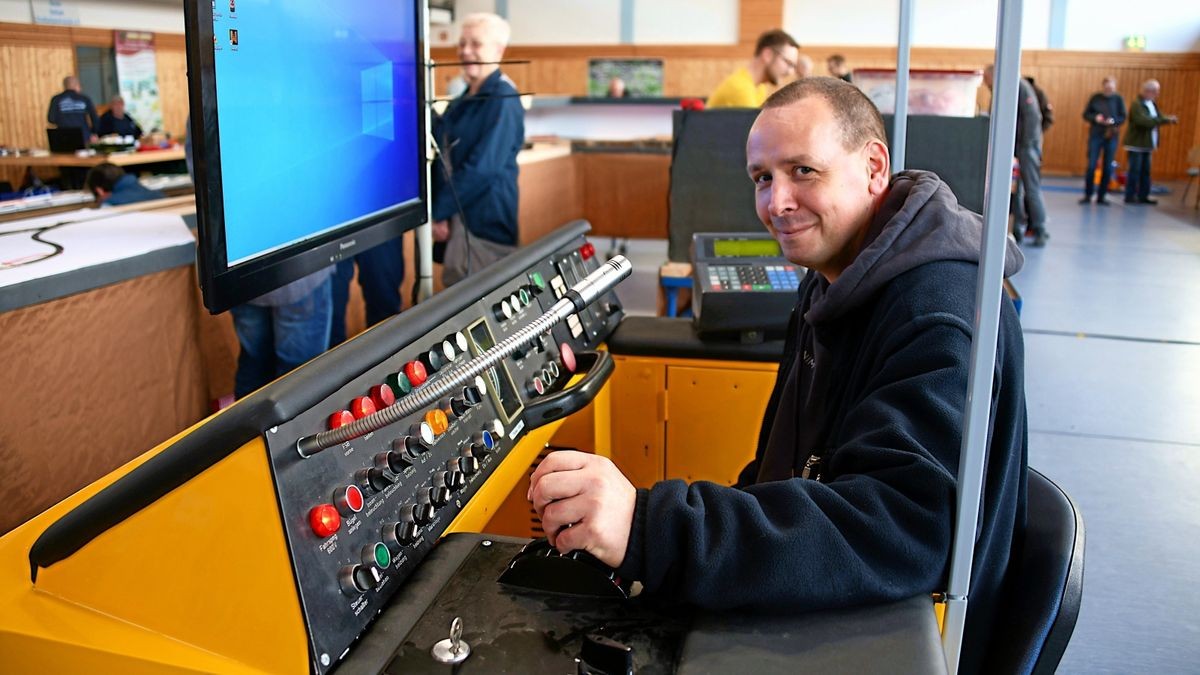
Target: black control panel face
{"type": "Point", "coordinates": [360, 517]}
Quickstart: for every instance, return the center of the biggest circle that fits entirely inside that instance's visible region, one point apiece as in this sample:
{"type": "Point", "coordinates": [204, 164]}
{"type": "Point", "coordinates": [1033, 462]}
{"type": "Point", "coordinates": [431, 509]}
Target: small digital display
{"type": "Point", "coordinates": [499, 381]}
{"type": "Point", "coordinates": [746, 248]}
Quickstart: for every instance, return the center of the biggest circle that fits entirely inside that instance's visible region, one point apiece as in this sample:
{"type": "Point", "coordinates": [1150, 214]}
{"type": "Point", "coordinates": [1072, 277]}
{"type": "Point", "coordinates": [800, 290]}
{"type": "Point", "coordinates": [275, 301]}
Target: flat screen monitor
{"type": "Point", "coordinates": [307, 120]}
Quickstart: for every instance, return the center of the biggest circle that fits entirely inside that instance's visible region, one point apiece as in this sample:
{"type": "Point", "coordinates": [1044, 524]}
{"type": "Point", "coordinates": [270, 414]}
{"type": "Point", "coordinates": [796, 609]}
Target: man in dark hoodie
{"type": "Point", "coordinates": [850, 499]}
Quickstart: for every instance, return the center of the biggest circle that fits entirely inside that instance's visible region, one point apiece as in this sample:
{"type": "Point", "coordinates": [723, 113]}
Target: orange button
{"type": "Point", "coordinates": [437, 420]}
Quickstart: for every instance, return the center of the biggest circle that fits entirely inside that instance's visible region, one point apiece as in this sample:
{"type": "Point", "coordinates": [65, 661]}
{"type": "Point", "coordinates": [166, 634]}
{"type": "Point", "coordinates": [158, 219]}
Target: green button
{"type": "Point", "coordinates": [538, 281]}
{"type": "Point", "coordinates": [399, 384]}
{"type": "Point", "coordinates": [383, 557]}
{"type": "Point", "coordinates": [524, 295]}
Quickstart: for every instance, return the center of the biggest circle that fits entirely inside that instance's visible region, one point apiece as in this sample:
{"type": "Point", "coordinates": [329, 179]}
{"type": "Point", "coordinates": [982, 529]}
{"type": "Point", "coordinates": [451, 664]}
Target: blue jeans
{"type": "Point", "coordinates": [1137, 182]}
{"type": "Point", "coordinates": [276, 340]}
{"type": "Point", "coordinates": [1098, 145]}
{"type": "Point", "coordinates": [380, 273]}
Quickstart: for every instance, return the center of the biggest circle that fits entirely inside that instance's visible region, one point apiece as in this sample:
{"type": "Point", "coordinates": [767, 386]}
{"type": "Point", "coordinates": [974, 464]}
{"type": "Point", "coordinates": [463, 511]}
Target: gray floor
{"type": "Point", "coordinates": [1112, 337]}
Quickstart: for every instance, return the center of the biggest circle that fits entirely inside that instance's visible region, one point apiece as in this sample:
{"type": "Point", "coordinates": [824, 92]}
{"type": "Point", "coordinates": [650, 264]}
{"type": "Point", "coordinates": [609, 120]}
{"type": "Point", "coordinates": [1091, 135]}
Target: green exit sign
{"type": "Point", "coordinates": [1135, 43]}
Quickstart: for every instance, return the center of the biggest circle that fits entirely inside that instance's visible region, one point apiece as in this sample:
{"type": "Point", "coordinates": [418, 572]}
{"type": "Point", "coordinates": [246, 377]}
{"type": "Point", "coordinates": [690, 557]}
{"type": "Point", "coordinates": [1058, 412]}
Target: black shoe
{"type": "Point", "coordinates": [1040, 240]}
{"type": "Point", "coordinates": [1085, 200]}
{"type": "Point", "coordinates": [1151, 202]}
{"type": "Point", "coordinates": [1102, 202]}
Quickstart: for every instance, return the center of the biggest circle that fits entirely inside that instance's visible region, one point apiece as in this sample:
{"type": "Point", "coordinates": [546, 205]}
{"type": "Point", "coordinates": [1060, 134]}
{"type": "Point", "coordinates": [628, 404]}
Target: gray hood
{"type": "Point", "coordinates": [919, 221]}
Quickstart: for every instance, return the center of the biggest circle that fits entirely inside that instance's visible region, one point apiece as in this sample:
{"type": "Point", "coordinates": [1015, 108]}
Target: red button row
{"type": "Point", "coordinates": [381, 396]}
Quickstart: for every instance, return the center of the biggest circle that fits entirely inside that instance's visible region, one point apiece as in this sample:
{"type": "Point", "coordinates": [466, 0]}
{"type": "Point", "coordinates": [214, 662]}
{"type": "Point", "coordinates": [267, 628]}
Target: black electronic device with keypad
{"type": "Point", "coordinates": [742, 284]}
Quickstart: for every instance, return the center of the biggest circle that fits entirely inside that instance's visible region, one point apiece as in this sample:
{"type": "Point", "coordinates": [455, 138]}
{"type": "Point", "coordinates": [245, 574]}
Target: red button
{"type": "Point", "coordinates": [382, 396]}
{"type": "Point", "coordinates": [324, 520]}
{"type": "Point", "coordinates": [361, 407]}
{"type": "Point", "coordinates": [587, 251]}
{"type": "Point", "coordinates": [416, 373]}
{"type": "Point", "coordinates": [340, 419]}
{"type": "Point", "coordinates": [349, 499]}
{"type": "Point", "coordinates": [568, 356]}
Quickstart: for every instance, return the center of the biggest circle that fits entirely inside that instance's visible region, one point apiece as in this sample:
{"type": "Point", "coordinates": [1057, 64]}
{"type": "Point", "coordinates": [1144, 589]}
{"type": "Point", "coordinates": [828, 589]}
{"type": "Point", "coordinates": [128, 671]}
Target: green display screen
{"type": "Point", "coordinates": [746, 248]}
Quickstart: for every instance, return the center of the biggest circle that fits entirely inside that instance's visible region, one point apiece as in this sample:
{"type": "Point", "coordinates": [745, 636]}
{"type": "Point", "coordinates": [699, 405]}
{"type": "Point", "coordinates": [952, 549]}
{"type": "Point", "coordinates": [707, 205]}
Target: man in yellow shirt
{"type": "Point", "coordinates": [776, 55]}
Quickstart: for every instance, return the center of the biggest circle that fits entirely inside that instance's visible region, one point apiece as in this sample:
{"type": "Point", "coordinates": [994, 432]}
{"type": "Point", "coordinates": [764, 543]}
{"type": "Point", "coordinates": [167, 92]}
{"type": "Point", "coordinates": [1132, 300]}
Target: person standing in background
{"type": "Point", "coordinates": [116, 121]}
{"type": "Point", "coordinates": [1105, 113]}
{"type": "Point", "coordinates": [71, 108]}
{"type": "Point", "coordinates": [1028, 151]}
{"type": "Point", "coordinates": [836, 65]}
{"type": "Point", "coordinates": [776, 58]}
{"type": "Point", "coordinates": [1141, 139]}
{"type": "Point", "coordinates": [279, 330]}
{"type": "Point", "coordinates": [478, 137]}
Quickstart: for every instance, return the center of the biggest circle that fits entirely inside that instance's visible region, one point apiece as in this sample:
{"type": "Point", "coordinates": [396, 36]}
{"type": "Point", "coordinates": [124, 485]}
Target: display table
{"type": "Point", "coordinates": [104, 360]}
{"type": "Point", "coordinates": [60, 159]}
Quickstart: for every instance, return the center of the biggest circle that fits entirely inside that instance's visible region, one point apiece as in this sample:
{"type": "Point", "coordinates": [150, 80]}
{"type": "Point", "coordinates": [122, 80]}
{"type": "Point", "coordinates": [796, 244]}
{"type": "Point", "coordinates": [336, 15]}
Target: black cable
{"type": "Point", "coordinates": [57, 248]}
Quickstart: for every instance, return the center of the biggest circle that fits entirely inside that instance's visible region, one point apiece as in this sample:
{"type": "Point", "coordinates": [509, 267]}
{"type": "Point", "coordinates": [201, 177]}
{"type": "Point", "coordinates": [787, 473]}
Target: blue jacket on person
{"type": "Point", "coordinates": [128, 190]}
{"type": "Point", "coordinates": [482, 134]}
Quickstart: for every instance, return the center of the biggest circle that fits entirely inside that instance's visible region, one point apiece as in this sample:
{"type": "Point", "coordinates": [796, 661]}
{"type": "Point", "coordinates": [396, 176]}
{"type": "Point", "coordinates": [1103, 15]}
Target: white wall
{"type": "Point", "coordinates": [565, 22]}
{"type": "Point", "coordinates": [164, 16]}
{"type": "Point", "coordinates": [936, 23]}
{"type": "Point", "coordinates": [705, 22]}
{"type": "Point", "coordinates": [1169, 25]}
{"type": "Point", "coordinates": [15, 11]}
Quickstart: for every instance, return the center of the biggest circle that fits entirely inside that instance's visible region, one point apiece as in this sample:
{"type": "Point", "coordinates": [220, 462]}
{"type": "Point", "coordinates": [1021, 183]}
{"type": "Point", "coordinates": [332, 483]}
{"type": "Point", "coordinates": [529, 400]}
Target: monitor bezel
{"type": "Point", "coordinates": [224, 286]}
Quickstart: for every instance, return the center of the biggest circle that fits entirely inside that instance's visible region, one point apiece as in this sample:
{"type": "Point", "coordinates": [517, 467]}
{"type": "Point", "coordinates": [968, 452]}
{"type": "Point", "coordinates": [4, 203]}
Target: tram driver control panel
{"type": "Point", "coordinates": [359, 517]}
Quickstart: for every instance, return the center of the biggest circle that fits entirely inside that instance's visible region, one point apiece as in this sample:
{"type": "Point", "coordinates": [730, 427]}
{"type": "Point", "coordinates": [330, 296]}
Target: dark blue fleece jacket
{"type": "Point", "coordinates": [480, 136]}
{"type": "Point", "coordinates": [869, 404]}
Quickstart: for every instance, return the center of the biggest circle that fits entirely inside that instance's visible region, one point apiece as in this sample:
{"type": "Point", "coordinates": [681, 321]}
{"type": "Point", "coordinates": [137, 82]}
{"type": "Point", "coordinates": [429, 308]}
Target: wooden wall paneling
{"type": "Point", "coordinates": [756, 17]}
{"type": "Point", "coordinates": [625, 194]}
{"type": "Point", "coordinates": [171, 65]}
{"type": "Point", "coordinates": [30, 75]}
{"type": "Point", "coordinates": [551, 194]}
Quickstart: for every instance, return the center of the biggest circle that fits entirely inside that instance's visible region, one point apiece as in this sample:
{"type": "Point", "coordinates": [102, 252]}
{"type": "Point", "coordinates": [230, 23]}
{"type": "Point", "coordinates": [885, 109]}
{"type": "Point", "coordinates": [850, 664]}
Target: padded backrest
{"type": "Point", "coordinates": [1048, 587]}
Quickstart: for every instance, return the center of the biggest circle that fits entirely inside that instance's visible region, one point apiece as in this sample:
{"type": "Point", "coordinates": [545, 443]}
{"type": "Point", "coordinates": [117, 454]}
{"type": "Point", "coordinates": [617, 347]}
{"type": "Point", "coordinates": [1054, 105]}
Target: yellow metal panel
{"type": "Point", "coordinates": [714, 417]}
{"type": "Point", "coordinates": [198, 581]}
{"type": "Point", "coordinates": [206, 564]}
{"type": "Point", "coordinates": [475, 516]}
{"type": "Point", "coordinates": [635, 420]}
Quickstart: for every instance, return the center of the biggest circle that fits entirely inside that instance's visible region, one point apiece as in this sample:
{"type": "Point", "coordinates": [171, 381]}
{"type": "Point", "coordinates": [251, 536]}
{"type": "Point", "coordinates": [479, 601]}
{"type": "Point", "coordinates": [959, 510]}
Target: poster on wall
{"type": "Point", "coordinates": [137, 77]}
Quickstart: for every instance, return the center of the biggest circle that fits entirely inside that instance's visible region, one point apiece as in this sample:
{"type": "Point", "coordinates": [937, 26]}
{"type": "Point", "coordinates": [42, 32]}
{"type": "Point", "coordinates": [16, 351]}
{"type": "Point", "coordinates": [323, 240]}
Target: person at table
{"type": "Point", "coordinates": [850, 499]}
{"type": "Point", "coordinates": [112, 186]}
{"type": "Point", "coordinates": [72, 108]}
{"type": "Point", "coordinates": [116, 121]}
{"type": "Point", "coordinates": [776, 58]}
{"type": "Point", "coordinates": [478, 137]}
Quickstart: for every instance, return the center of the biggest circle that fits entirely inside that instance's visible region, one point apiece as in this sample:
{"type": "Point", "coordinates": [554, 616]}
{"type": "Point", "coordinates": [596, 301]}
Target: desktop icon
{"type": "Point", "coordinates": [233, 39]}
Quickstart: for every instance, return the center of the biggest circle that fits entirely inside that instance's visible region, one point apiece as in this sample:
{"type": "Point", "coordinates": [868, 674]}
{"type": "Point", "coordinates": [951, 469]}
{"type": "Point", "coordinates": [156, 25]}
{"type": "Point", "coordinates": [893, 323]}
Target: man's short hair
{"type": "Point", "coordinates": [774, 39]}
{"type": "Point", "coordinates": [836, 60]}
{"type": "Point", "coordinates": [856, 114]}
{"type": "Point", "coordinates": [495, 26]}
{"type": "Point", "coordinates": [67, 81]}
{"type": "Point", "coordinates": [116, 98]}
{"type": "Point", "coordinates": [103, 176]}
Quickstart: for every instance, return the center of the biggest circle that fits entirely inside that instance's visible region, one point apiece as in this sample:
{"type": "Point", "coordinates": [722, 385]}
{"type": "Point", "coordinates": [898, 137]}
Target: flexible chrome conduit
{"type": "Point", "coordinates": [574, 300]}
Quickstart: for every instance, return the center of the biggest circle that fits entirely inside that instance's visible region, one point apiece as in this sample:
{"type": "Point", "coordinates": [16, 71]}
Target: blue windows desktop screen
{"type": "Point", "coordinates": [318, 109]}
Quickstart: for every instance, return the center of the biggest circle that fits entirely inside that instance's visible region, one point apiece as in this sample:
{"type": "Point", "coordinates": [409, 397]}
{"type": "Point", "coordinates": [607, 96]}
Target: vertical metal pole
{"type": "Point", "coordinates": [900, 116]}
{"type": "Point", "coordinates": [424, 233]}
{"type": "Point", "coordinates": [987, 318]}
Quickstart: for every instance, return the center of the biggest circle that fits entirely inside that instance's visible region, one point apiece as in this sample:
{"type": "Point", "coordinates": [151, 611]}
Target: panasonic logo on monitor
{"type": "Point", "coordinates": [347, 244]}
